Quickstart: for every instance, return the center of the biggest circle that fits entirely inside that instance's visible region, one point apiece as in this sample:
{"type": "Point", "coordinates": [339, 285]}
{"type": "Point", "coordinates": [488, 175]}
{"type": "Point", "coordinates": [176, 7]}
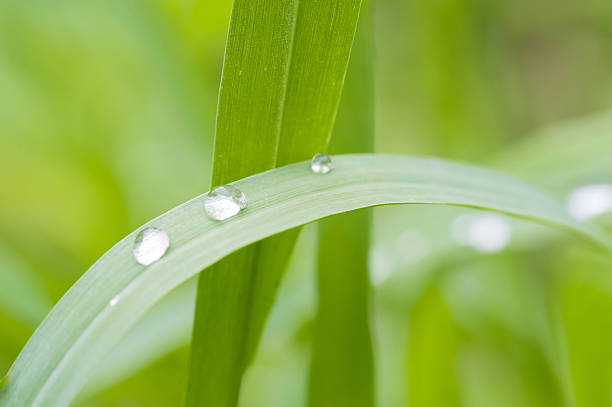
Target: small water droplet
{"type": "Point", "coordinates": [224, 201]}
{"type": "Point", "coordinates": [115, 300]}
{"type": "Point", "coordinates": [321, 164]}
{"type": "Point", "coordinates": [150, 245]}
{"type": "Point", "coordinates": [240, 73]}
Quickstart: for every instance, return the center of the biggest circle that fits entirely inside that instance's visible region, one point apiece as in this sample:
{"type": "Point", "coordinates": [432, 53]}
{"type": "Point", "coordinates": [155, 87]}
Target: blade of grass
{"type": "Point", "coordinates": [22, 295]}
{"type": "Point", "coordinates": [585, 301]}
{"type": "Point", "coordinates": [165, 327]}
{"type": "Point", "coordinates": [433, 346]}
{"type": "Point", "coordinates": [283, 72]}
{"type": "Point", "coordinates": [82, 328]}
{"type": "Point", "coordinates": [341, 371]}
{"type": "Point", "coordinates": [551, 154]}
{"type": "Point", "coordinates": [592, 129]}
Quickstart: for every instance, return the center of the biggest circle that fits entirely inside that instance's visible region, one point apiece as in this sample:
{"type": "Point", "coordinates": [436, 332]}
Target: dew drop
{"type": "Point", "coordinates": [150, 245]}
{"type": "Point", "coordinates": [114, 301]}
{"type": "Point", "coordinates": [224, 201]}
{"type": "Point", "coordinates": [321, 164]}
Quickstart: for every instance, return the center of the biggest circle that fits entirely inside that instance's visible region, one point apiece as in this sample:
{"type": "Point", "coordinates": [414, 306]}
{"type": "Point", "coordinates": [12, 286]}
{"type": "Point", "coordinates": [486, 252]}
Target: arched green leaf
{"type": "Point", "coordinates": [83, 327]}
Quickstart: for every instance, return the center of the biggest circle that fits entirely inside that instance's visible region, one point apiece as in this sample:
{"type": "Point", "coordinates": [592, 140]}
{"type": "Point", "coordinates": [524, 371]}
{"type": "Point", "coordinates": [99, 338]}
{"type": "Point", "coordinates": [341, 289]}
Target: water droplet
{"type": "Point", "coordinates": [590, 201]}
{"type": "Point", "coordinates": [114, 301]}
{"type": "Point", "coordinates": [150, 245]}
{"type": "Point", "coordinates": [487, 233]}
{"type": "Point", "coordinates": [224, 201]}
{"type": "Point", "coordinates": [321, 164]}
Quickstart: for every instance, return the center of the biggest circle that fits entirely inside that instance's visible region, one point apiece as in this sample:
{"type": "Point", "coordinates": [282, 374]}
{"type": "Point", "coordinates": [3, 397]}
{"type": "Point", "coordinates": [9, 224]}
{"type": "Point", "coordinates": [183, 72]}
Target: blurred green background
{"type": "Point", "coordinates": [106, 120]}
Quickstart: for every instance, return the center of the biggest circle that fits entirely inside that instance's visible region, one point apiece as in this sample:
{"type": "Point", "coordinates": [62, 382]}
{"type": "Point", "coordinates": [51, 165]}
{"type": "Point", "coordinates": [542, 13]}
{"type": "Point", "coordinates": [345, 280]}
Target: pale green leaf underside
{"type": "Point", "coordinates": [82, 328]}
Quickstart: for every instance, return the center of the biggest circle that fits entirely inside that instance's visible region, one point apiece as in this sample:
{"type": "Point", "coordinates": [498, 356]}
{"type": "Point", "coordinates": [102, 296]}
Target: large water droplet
{"type": "Point", "coordinates": [114, 301]}
{"type": "Point", "coordinates": [321, 164]}
{"type": "Point", "coordinates": [224, 201]}
{"type": "Point", "coordinates": [150, 245]}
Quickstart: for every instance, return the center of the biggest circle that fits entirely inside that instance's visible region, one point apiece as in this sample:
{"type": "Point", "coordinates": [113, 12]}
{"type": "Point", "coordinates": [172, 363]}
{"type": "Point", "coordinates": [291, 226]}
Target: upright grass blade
{"type": "Point", "coordinates": [341, 371]}
{"type": "Point", "coordinates": [82, 328]}
{"type": "Point", "coordinates": [283, 73]}
{"type": "Point", "coordinates": [432, 350]}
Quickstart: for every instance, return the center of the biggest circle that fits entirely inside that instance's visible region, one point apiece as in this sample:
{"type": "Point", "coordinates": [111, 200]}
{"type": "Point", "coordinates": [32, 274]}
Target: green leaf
{"type": "Point", "coordinates": [22, 295]}
{"type": "Point", "coordinates": [591, 159]}
{"type": "Point", "coordinates": [552, 158]}
{"type": "Point", "coordinates": [283, 73]}
{"type": "Point", "coordinates": [433, 346]}
{"type": "Point", "coordinates": [342, 371]}
{"type": "Point", "coordinates": [82, 328]}
{"type": "Point", "coordinates": [165, 327]}
{"type": "Point", "coordinates": [585, 299]}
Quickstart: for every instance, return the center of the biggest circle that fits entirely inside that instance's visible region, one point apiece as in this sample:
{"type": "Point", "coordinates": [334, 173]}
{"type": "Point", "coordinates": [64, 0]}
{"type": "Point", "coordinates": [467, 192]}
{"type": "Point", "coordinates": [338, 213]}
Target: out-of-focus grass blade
{"type": "Point", "coordinates": [21, 294]}
{"type": "Point", "coordinates": [553, 158]}
{"type": "Point", "coordinates": [549, 158]}
{"type": "Point", "coordinates": [433, 344]}
{"type": "Point", "coordinates": [341, 372]}
{"type": "Point", "coordinates": [82, 328]}
{"type": "Point", "coordinates": [585, 298]}
{"type": "Point", "coordinates": [282, 77]}
{"type": "Point", "coordinates": [454, 95]}
{"type": "Point", "coordinates": [508, 357]}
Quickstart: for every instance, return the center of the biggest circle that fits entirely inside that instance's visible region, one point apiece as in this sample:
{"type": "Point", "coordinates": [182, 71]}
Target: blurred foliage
{"type": "Point", "coordinates": [104, 105]}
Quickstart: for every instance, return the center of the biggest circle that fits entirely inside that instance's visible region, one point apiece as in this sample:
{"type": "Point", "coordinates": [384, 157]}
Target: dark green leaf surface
{"type": "Point", "coordinates": [82, 328]}
{"type": "Point", "coordinates": [283, 73]}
